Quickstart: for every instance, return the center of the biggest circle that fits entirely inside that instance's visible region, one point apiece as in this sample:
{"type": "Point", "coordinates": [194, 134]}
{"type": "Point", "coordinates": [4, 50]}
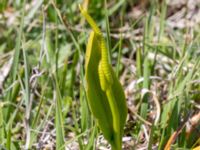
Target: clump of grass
{"type": "Point", "coordinates": [43, 94]}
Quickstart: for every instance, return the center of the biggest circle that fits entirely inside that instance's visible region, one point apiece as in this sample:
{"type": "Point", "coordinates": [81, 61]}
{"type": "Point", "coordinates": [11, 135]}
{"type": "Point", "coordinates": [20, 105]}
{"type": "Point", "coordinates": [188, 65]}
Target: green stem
{"type": "Point", "coordinates": [116, 119]}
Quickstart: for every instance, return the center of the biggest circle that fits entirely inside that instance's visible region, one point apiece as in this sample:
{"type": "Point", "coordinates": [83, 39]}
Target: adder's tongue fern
{"type": "Point", "coordinates": [105, 94]}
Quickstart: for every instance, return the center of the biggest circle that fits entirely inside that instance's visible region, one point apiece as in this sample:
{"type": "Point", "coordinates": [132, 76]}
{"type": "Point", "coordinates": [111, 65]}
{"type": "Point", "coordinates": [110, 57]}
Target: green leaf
{"type": "Point", "coordinates": [96, 97]}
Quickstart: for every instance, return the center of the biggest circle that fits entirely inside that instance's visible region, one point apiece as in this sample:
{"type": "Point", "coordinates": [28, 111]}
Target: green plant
{"type": "Point", "coordinates": [105, 94]}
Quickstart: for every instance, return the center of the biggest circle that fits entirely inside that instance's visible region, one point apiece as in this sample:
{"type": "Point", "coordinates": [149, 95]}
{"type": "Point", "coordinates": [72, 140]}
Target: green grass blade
{"type": "Point", "coordinates": [58, 117]}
